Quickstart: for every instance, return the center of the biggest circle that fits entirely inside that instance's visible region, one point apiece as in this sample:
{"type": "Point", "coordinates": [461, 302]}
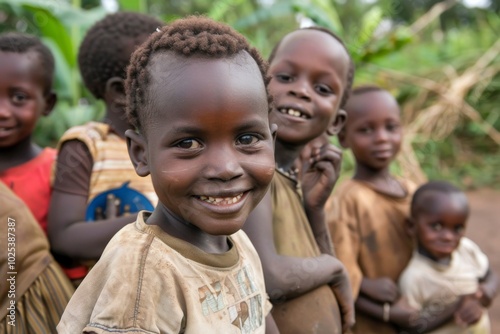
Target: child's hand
{"type": "Point", "coordinates": [383, 289]}
{"type": "Point", "coordinates": [342, 290]}
{"type": "Point", "coordinates": [320, 171]}
{"type": "Point", "coordinates": [484, 297]}
{"type": "Point", "coordinates": [469, 312]}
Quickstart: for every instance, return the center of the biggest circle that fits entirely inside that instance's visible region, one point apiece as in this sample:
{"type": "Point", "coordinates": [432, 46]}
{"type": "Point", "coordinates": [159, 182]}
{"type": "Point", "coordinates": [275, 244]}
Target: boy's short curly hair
{"type": "Point", "coordinates": [103, 52]}
{"type": "Point", "coordinates": [23, 43]}
{"type": "Point", "coordinates": [194, 35]}
{"type": "Point", "coordinates": [351, 70]}
{"type": "Point", "coordinates": [442, 187]}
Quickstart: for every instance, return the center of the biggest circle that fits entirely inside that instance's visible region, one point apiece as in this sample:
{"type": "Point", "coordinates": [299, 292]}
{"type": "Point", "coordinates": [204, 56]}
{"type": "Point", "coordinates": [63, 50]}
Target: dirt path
{"type": "Point", "coordinates": [483, 228]}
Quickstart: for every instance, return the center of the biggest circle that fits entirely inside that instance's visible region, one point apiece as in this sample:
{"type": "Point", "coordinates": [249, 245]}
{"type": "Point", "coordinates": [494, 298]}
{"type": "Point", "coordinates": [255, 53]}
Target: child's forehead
{"type": "Point", "coordinates": [311, 40]}
{"type": "Point", "coordinates": [433, 201]}
{"type": "Point", "coordinates": [365, 105]}
{"type": "Point", "coordinates": [27, 65]}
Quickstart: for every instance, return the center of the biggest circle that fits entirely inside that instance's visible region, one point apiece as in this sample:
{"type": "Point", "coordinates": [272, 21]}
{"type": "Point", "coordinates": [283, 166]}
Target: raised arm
{"type": "Point", "coordinates": [70, 235]}
{"type": "Point", "coordinates": [286, 276]}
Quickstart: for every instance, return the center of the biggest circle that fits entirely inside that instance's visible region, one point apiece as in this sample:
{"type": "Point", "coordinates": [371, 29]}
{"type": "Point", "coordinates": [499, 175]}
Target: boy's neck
{"type": "Point", "coordinates": [20, 153]}
{"type": "Point", "coordinates": [380, 179]}
{"type": "Point", "coordinates": [180, 229]}
{"type": "Point", "coordinates": [286, 155]}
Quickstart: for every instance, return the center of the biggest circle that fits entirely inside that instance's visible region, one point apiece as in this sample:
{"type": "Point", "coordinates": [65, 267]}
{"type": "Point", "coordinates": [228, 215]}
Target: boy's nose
{"type": "Point", "coordinates": [224, 166]}
{"type": "Point", "coordinates": [301, 89]}
{"type": "Point", "coordinates": [5, 111]}
{"type": "Point", "coordinates": [381, 135]}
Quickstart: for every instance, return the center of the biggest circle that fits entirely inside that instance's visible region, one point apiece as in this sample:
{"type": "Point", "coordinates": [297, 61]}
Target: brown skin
{"type": "Point", "coordinates": [69, 233]}
{"type": "Point", "coordinates": [24, 97]}
{"type": "Point", "coordinates": [308, 75]}
{"type": "Point", "coordinates": [218, 145]}
{"type": "Point", "coordinates": [373, 133]}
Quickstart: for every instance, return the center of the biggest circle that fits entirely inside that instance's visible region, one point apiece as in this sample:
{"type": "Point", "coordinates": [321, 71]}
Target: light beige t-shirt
{"type": "Point", "coordinates": [429, 286]}
{"type": "Point", "coordinates": [150, 282]}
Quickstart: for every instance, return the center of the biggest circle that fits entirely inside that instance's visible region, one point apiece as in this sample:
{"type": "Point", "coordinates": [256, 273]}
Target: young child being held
{"type": "Point", "coordinates": [196, 93]}
{"type": "Point", "coordinates": [311, 75]}
{"type": "Point", "coordinates": [93, 158]}
{"type": "Point", "coordinates": [26, 72]}
{"type": "Point", "coordinates": [367, 214]}
{"type": "Point", "coordinates": [448, 278]}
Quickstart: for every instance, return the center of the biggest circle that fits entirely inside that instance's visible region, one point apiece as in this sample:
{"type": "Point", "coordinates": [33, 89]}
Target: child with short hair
{"type": "Point", "coordinates": [448, 281]}
{"type": "Point", "coordinates": [34, 290]}
{"type": "Point", "coordinates": [197, 95]}
{"type": "Point", "coordinates": [93, 158]}
{"type": "Point", "coordinates": [311, 75]}
{"type": "Point", "coordinates": [367, 214]}
{"type": "Point", "coordinates": [26, 73]}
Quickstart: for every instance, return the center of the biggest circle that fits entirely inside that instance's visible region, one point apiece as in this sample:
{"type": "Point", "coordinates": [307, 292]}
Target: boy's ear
{"type": "Point", "coordinates": [114, 91]}
{"type": "Point", "coordinates": [136, 145]}
{"type": "Point", "coordinates": [410, 226]}
{"type": "Point", "coordinates": [50, 102]}
{"type": "Point", "coordinates": [338, 123]}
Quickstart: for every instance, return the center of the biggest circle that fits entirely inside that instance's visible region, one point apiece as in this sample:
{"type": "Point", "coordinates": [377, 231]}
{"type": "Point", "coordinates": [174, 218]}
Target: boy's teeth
{"type": "Point", "coordinates": [221, 200]}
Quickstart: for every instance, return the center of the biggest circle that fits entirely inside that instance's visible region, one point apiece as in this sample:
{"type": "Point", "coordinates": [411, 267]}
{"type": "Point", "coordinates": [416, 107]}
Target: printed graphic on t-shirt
{"type": "Point", "coordinates": [237, 298]}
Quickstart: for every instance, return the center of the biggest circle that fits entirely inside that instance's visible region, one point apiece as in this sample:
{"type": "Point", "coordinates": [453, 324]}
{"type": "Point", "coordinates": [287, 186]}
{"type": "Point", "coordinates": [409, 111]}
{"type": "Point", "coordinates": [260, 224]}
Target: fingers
{"type": "Point", "coordinates": [112, 206]}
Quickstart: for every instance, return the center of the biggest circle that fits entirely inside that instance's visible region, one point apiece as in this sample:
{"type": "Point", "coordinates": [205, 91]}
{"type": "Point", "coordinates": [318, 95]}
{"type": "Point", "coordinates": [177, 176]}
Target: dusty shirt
{"type": "Point", "coordinates": [429, 286]}
{"type": "Point", "coordinates": [370, 237]}
{"type": "Point", "coordinates": [316, 311]}
{"type": "Point", "coordinates": [149, 282]}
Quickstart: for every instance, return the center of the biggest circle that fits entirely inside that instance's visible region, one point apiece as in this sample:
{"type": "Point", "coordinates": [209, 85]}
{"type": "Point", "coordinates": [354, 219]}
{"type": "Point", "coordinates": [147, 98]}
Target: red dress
{"type": "Point", "coordinates": [31, 182]}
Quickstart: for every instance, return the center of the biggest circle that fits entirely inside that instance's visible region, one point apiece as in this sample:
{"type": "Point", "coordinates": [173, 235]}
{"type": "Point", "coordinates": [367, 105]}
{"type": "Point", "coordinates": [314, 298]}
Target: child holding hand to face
{"type": "Point", "coordinates": [311, 75]}
{"type": "Point", "coordinates": [197, 96]}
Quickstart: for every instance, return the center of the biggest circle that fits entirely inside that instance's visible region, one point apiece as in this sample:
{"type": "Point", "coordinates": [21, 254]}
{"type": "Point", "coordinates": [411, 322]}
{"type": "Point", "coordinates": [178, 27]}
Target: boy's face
{"type": "Point", "coordinates": [373, 129]}
{"type": "Point", "coordinates": [22, 98]}
{"type": "Point", "coordinates": [308, 79]}
{"type": "Point", "coordinates": [440, 223]}
{"type": "Point", "coordinates": [209, 147]}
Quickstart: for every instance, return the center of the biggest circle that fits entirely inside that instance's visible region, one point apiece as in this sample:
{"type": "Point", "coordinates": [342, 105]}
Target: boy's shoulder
{"type": "Point", "coordinates": [89, 133]}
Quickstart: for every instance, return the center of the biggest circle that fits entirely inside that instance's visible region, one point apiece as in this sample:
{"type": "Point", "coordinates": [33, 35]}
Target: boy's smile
{"type": "Point", "coordinates": [22, 98]}
{"type": "Point", "coordinates": [208, 144]}
{"type": "Point", "coordinates": [308, 78]}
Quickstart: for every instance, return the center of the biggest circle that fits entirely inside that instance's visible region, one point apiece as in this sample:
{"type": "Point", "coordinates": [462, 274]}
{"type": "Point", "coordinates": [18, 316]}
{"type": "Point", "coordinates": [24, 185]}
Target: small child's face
{"type": "Point", "coordinates": [441, 224]}
{"type": "Point", "coordinates": [209, 144]}
{"type": "Point", "coordinates": [22, 98]}
{"type": "Point", "coordinates": [308, 79]}
{"type": "Point", "coordinates": [373, 130]}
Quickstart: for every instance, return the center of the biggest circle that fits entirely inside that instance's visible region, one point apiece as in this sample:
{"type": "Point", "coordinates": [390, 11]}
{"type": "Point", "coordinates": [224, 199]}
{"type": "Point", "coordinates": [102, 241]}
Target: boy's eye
{"type": "Point", "coordinates": [392, 127]}
{"type": "Point", "coordinates": [323, 89]}
{"type": "Point", "coordinates": [283, 77]}
{"type": "Point", "coordinates": [189, 144]}
{"type": "Point", "coordinates": [366, 130]}
{"type": "Point", "coordinates": [436, 227]}
{"type": "Point", "coordinates": [247, 140]}
{"type": "Point", "coordinates": [19, 98]}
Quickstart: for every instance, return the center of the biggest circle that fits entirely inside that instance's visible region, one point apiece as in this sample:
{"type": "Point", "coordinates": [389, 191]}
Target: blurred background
{"type": "Point", "coordinates": [439, 58]}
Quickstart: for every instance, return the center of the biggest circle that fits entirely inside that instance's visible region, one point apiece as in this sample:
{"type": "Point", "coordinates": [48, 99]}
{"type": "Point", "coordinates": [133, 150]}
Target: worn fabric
{"type": "Point", "coordinates": [34, 290]}
{"type": "Point", "coordinates": [31, 181]}
{"type": "Point", "coordinates": [370, 237]}
{"type": "Point", "coordinates": [147, 281]}
{"type": "Point", "coordinates": [110, 164]}
{"type": "Point", "coordinates": [429, 286]}
{"type": "Point", "coordinates": [316, 311]}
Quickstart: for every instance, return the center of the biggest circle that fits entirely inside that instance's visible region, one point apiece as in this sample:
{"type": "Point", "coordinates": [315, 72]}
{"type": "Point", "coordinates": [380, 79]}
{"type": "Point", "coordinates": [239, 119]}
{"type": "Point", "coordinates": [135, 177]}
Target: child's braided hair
{"type": "Point", "coordinates": [194, 35]}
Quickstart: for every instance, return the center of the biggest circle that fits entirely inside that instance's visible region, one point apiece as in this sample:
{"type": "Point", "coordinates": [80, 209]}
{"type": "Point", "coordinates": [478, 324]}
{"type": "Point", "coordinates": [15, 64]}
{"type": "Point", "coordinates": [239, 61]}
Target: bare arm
{"type": "Point", "coordinates": [488, 288]}
{"type": "Point", "coordinates": [402, 315]}
{"type": "Point", "coordinates": [70, 235]}
{"type": "Point", "coordinates": [271, 327]}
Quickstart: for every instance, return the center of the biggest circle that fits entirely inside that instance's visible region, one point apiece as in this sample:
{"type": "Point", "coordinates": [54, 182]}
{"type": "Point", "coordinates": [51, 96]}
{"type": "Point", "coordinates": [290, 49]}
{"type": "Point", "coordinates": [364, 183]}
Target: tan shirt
{"type": "Point", "coordinates": [370, 237]}
{"type": "Point", "coordinates": [316, 311]}
{"type": "Point", "coordinates": [429, 286]}
{"type": "Point", "coordinates": [150, 282]}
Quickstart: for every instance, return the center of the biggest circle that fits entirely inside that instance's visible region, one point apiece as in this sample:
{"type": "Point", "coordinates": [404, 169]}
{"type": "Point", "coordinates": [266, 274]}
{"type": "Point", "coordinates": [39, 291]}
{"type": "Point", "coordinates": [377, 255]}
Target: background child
{"type": "Point", "coordinates": [93, 158]}
{"type": "Point", "coordinates": [34, 290]}
{"type": "Point", "coordinates": [26, 71]}
{"type": "Point", "coordinates": [311, 74]}
{"type": "Point", "coordinates": [367, 214]}
{"type": "Point", "coordinates": [446, 265]}
{"type": "Point", "coordinates": [186, 267]}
